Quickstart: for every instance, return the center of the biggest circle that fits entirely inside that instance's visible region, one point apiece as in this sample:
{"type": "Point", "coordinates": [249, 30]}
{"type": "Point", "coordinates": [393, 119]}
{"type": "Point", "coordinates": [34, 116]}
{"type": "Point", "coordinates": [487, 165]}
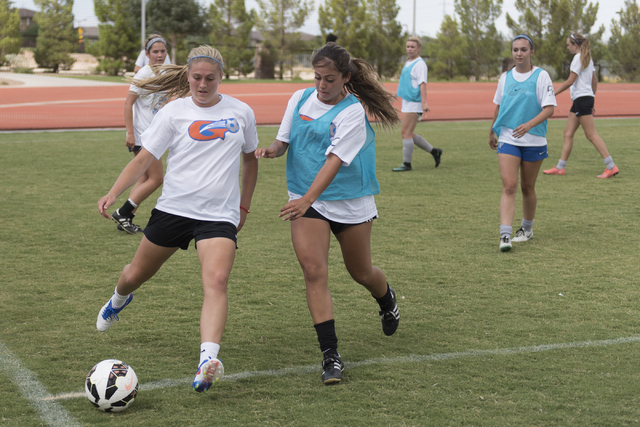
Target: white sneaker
{"type": "Point", "coordinates": [209, 372]}
{"type": "Point", "coordinates": [522, 235]}
{"type": "Point", "coordinates": [505, 244]}
{"type": "Point", "coordinates": [109, 315]}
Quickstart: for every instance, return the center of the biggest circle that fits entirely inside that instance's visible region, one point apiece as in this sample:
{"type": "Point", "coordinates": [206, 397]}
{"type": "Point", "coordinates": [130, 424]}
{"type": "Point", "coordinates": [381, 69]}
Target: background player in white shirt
{"type": "Point", "coordinates": [143, 59]}
{"type": "Point", "coordinates": [584, 84]}
{"type": "Point", "coordinates": [139, 108]}
{"type": "Point", "coordinates": [331, 182]}
{"type": "Point", "coordinates": [412, 88]}
{"type": "Point", "coordinates": [207, 135]}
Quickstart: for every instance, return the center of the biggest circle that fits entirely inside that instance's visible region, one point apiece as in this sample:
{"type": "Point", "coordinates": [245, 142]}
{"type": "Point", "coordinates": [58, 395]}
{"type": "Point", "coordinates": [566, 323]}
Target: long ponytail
{"type": "Point", "coordinates": [585, 48]}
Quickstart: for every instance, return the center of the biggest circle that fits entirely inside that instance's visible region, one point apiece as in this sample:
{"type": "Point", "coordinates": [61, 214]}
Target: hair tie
{"type": "Point", "coordinates": [154, 40]}
{"type": "Point", "coordinates": [524, 36]}
{"type": "Point", "coordinates": [206, 56]}
{"type": "Point", "coordinates": [575, 40]}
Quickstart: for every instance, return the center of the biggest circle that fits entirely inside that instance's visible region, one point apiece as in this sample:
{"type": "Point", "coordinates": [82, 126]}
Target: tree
{"type": "Point", "coordinates": [9, 30]}
{"type": "Point", "coordinates": [177, 19]}
{"type": "Point", "coordinates": [450, 50]}
{"type": "Point", "coordinates": [118, 45]}
{"type": "Point", "coordinates": [347, 19]}
{"type": "Point", "coordinates": [231, 26]}
{"type": "Point", "coordinates": [278, 22]}
{"type": "Point", "coordinates": [477, 19]}
{"type": "Point", "coordinates": [57, 37]}
{"type": "Point", "coordinates": [386, 38]}
{"type": "Point", "coordinates": [624, 43]}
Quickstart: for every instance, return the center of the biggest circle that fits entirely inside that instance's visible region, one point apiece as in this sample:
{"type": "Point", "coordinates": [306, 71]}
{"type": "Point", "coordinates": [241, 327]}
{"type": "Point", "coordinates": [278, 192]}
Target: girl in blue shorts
{"type": "Point", "coordinates": [524, 101]}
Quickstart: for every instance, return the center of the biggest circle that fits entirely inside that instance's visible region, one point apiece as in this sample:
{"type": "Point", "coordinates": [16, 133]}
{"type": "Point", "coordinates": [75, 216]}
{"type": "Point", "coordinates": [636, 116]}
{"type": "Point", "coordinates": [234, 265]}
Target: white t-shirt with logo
{"type": "Point", "coordinates": [346, 142]}
{"type": "Point", "coordinates": [147, 104]}
{"type": "Point", "coordinates": [205, 147]}
{"type": "Point", "coordinates": [143, 59]}
{"type": "Point", "coordinates": [419, 74]}
{"type": "Point", "coordinates": [546, 96]}
{"type": "Point", "coordinates": [582, 85]}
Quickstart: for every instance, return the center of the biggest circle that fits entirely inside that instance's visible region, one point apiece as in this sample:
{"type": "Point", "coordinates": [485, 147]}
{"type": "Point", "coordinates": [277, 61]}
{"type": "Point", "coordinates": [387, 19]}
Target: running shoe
{"type": "Point", "coordinates": [437, 154]}
{"type": "Point", "coordinates": [522, 235]}
{"type": "Point", "coordinates": [109, 315]}
{"type": "Point", "coordinates": [554, 171]}
{"type": "Point", "coordinates": [505, 244]}
{"type": "Point", "coordinates": [124, 222]}
{"type": "Point", "coordinates": [332, 368]}
{"type": "Point", "coordinates": [210, 371]}
{"type": "Point", "coordinates": [390, 318]}
{"type": "Point", "coordinates": [135, 226]}
{"type": "Point", "coordinates": [608, 173]}
{"type": "Point", "coordinates": [405, 167]}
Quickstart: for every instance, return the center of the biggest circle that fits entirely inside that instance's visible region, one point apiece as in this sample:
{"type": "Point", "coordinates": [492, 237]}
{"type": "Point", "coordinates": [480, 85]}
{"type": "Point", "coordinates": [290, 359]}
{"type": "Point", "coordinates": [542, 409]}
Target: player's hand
{"type": "Point", "coordinates": [493, 142]}
{"type": "Point", "coordinates": [294, 209]}
{"type": "Point", "coordinates": [521, 130]}
{"type": "Point", "coordinates": [103, 205]}
{"type": "Point", "coordinates": [267, 153]}
{"type": "Point", "coordinates": [130, 140]}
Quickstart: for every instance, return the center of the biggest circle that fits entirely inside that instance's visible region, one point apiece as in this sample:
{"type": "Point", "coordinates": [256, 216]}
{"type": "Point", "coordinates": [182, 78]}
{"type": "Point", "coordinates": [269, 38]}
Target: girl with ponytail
{"type": "Point", "coordinates": [207, 135]}
{"type": "Point", "coordinates": [331, 178]}
{"type": "Point", "coordinates": [583, 84]}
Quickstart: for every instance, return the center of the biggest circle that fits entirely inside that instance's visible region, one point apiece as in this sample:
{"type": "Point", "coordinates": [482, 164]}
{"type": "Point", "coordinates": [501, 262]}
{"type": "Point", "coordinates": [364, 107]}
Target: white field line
{"type": "Point", "coordinates": [51, 412]}
{"type": "Point", "coordinates": [381, 361]}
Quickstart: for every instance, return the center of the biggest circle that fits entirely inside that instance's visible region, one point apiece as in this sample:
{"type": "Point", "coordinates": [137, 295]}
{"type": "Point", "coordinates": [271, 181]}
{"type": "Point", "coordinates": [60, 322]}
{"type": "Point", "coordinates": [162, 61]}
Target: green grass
{"type": "Point", "coordinates": [436, 240]}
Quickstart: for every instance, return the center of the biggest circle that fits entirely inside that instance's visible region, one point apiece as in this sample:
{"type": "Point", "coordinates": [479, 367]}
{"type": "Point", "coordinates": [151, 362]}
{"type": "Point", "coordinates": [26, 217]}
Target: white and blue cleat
{"type": "Point", "coordinates": [210, 371]}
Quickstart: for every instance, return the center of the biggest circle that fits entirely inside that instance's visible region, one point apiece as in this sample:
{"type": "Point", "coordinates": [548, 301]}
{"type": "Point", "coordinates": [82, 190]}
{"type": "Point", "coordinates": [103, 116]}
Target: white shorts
{"type": "Point", "coordinates": [411, 107]}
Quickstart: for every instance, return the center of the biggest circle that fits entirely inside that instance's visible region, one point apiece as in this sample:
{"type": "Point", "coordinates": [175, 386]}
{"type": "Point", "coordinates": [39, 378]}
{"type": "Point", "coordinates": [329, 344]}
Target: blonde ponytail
{"type": "Point", "coordinates": [585, 48]}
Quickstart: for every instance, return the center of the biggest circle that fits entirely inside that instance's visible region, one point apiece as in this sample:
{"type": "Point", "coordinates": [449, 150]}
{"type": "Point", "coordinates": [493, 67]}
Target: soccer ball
{"type": "Point", "coordinates": [111, 385]}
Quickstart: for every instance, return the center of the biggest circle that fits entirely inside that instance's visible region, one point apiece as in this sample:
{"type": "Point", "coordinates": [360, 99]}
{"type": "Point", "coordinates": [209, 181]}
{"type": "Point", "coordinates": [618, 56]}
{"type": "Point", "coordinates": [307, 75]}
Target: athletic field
{"type": "Point", "coordinates": [103, 106]}
{"type": "Point", "coordinates": [544, 335]}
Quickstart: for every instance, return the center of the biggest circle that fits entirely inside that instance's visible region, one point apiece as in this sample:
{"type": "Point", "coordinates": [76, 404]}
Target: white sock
{"type": "Point", "coordinates": [561, 164]}
{"type": "Point", "coordinates": [505, 230]}
{"type": "Point", "coordinates": [407, 150]}
{"type": "Point", "coordinates": [118, 300]}
{"type": "Point", "coordinates": [527, 225]}
{"type": "Point", "coordinates": [208, 350]}
{"type": "Point", "coordinates": [608, 162]}
{"type": "Point", "coordinates": [422, 143]}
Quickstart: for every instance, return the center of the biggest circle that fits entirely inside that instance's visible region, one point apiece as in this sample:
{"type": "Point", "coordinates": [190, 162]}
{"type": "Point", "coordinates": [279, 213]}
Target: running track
{"type": "Point", "coordinates": [23, 108]}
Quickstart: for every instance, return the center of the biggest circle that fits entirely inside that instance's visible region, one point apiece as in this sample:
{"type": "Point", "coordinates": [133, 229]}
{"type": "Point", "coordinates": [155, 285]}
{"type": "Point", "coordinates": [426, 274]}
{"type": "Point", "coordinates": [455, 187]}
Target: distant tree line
{"type": "Point", "coordinates": [467, 46]}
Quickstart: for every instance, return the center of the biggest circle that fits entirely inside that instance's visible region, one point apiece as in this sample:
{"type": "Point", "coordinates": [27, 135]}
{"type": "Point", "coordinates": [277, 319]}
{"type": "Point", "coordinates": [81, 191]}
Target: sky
{"type": "Point", "coordinates": [429, 14]}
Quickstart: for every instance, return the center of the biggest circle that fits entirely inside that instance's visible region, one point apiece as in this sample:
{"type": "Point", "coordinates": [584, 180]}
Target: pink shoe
{"type": "Point", "coordinates": [554, 171]}
{"type": "Point", "coordinates": [609, 173]}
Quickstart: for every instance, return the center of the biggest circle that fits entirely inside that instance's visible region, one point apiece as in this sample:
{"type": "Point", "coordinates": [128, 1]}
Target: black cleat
{"type": "Point", "coordinates": [390, 318]}
{"type": "Point", "coordinates": [332, 368]}
{"type": "Point", "coordinates": [437, 154]}
{"type": "Point", "coordinates": [405, 167]}
{"type": "Point", "coordinates": [124, 223]}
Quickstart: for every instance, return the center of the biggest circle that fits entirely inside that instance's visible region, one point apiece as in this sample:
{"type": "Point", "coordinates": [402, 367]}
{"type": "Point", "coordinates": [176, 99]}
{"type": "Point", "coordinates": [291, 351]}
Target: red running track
{"type": "Point", "coordinates": [26, 108]}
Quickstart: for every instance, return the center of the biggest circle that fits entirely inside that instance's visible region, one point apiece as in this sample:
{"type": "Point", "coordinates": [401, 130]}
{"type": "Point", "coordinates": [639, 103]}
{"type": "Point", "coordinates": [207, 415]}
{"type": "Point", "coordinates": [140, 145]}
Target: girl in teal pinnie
{"type": "Point", "coordinates": [524, 101]}
{"type": "Point", "coordinates": [331, 178]}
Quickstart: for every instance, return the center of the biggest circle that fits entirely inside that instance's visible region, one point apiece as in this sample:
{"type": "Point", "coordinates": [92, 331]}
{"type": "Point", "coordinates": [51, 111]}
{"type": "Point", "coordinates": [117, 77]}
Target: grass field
{"type": "Point", "coordinates": [546, 334]}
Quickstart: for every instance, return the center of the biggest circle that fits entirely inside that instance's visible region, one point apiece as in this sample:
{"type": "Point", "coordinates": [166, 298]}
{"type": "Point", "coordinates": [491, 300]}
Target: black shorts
{"type": "Point", "coordinates": [135, 148]}
{"type": "Point", "coordinates": [583, 106]}
{"type": "Point", "coordinates": [336, 227]}
{"type": "Point", "coordinates": [170, 231]}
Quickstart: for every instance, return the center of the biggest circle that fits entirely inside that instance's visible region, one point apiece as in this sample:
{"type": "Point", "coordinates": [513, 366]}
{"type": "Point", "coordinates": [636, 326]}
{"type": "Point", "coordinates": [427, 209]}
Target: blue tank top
{"type": "Point", "coordinates": [309, 141]}
{"type": "Point", "coordinates": [520, 104]}
{"type": "Point", "coordinates": [405, 90]}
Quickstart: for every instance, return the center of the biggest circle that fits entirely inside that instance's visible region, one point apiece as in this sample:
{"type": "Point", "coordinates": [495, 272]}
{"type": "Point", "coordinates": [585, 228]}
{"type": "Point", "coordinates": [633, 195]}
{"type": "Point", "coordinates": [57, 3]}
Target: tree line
{"type": "Point", "coordinates": [467, 46]}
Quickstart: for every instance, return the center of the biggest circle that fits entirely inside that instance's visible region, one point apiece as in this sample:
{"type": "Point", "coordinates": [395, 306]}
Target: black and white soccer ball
{"type": "Point", "coordinates": [111, 385]}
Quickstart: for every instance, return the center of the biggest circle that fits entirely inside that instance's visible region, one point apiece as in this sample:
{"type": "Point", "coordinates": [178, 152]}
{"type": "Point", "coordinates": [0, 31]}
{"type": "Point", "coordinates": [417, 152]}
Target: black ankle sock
{"type": "Point", "coordinates": [327, 336]}
{"type": "Point", "coordinates": [386, 302]}
{"type": "Point", "coordinates": [127, 209]}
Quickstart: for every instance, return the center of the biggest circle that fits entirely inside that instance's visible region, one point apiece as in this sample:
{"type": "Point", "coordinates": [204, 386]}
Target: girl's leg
{"type": "Point", "coordinates": [509, 166]}
{"type": "Point", "coordinates": [528, 176]}
{"type": "Point", "coordinates": [148, 183]}
{"type": "Point", "coordinates": [590, 132]}
{"type": "Point", "coordinates": [569, 131]}
{"type": "Point", "coordinates": [145, 264]}
{"type": "Point", "coordinates": [409, 121]}
{"type": "Point", "coordinates": [216, 260]}
{"type": "Point", "coordinates": [311, 239]}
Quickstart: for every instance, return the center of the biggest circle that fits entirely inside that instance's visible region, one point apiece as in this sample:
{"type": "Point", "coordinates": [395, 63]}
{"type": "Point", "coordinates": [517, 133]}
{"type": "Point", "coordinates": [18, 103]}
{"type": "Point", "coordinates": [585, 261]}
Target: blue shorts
{"type": "Point", "coordinates": [135, 149]}
{"type": "Point", "coordinates": [527, 154]}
